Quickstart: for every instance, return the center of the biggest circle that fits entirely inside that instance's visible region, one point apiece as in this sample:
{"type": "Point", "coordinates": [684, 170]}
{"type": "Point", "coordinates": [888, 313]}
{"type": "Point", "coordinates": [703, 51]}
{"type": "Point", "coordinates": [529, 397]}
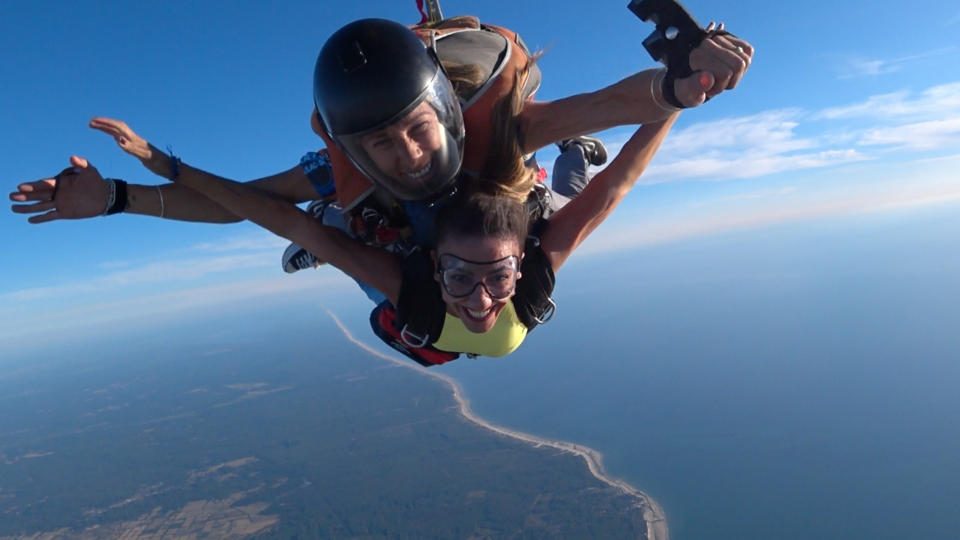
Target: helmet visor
{"type": "Point", "coordinates": [417, 153]}
{"type": "Point", "coordinates": [461, 277]}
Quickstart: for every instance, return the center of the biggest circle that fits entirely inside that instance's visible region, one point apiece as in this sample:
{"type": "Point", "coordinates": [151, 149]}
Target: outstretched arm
{"type": "Point", "coordinates": [571, 225]}
{"type": "Point", "coordinates": [718, 64]}
{"type": "Point", "coordinates": [365, 263]}
{"type": "Point", "coordinates": [82, 193]}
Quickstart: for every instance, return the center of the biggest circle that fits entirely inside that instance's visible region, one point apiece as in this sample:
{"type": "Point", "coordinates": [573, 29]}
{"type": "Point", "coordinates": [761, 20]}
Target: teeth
{"type": "Point", "coordinates": [421, 172]}
{"type": "Point", "coordinates": [479, 314]}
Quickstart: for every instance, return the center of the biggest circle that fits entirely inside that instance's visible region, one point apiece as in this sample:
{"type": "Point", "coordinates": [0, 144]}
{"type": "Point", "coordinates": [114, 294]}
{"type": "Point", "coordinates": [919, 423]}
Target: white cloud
{"type": "Point", "coordinates": [926, 121]}
{"type": "Point", "coordinates": [860, 67]}
{"type": "Point", "coordinates": [729, 218]}
{"type": "Point", "coordinates": [919, 136]}
{"type": "Point", "coordinates": [771, 130]}
{"type": "Point", "coordinates": [749, 164]}
{"type": "Point", "coordinates": [252, 242]}
{"type": "Point", "coordinates": [155, 273]}
{"type": "Point", "coordinates": [84, 315]}
{"type": "Point", "coordinates": [935, 103]}
{"type": "Point", "coordinates": [770, 142]}
{"type": "Point", "coordinates": [744, 147]}
{"type": "Point", "coordinates": [256, 250]}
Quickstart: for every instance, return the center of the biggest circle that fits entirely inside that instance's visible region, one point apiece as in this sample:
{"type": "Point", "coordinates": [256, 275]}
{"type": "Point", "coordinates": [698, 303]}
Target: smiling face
{"type": "Point", "coordinates": [405, 149]}
{"type": "Point", "coordinates": [478, 310]}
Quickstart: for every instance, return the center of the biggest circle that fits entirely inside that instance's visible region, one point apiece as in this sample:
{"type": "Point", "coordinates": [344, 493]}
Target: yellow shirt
{"type": "Point", "coordinates": [506, 335]}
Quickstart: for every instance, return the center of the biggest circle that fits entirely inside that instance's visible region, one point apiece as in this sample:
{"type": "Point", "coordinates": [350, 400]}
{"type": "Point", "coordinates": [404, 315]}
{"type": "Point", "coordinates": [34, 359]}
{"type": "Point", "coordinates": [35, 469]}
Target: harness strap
{"type": "Point", "coordinates": [420, 309]}
{"type": "Point", "coordinates": [383, 321]}
{"type": "Point", "coordinates": [533, 301]}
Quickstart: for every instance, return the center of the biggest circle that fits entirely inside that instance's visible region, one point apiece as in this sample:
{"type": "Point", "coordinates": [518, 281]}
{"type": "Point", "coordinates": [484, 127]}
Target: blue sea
{"type": "Point", "coordinates": [793, 383]}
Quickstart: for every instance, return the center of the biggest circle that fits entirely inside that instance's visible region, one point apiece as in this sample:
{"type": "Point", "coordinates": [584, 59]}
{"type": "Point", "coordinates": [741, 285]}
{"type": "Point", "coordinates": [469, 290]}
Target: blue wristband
{"type": "Point", "coordinates": [174, 165]}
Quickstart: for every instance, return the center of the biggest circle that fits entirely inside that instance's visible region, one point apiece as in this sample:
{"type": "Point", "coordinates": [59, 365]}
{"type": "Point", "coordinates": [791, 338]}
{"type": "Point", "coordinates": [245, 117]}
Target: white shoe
{"type": "Point", "coordinates": [295, 258]}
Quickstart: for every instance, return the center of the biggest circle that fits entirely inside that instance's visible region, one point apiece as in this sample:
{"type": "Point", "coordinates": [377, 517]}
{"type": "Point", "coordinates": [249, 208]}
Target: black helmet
{"type": "Point", "coordinates": [372, 73]}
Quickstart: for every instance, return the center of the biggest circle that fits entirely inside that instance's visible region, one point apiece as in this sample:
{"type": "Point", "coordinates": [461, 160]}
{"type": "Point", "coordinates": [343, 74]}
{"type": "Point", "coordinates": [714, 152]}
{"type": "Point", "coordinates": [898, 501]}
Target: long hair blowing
{"type": "Point", "coordinates": [505, 172]}
{"type": "Point", "coordinates": [495, 203]}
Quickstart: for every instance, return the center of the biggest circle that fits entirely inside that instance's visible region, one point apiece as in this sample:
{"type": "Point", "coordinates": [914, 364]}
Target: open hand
{"type": "Point", "coordinates": [127, 140]}
{"type": "Point", "coordinates": [78, 192]}
{"type": "Point", "coordinates": [718, 64]}
{"type": "Point", "coordinates": [153, 159]}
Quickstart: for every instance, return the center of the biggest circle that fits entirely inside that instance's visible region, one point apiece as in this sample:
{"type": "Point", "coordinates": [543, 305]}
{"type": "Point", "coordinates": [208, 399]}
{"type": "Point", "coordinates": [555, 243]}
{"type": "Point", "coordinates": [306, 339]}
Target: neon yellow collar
{"type": "Point", "coordinates": [506, 335]}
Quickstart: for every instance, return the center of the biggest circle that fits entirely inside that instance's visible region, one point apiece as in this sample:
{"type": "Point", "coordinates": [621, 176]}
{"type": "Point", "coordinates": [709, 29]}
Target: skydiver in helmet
{"type": "Point", "coordinates": [383, 99]}
{"type": "Point", "coordinates": [475, 63]}
{"type": "Point", "coordinates": [413, 150]}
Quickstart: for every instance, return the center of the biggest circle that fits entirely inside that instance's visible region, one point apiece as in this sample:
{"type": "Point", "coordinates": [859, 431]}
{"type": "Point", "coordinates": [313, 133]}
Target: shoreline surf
{"type": "Point", "coordinates": [652, 512]}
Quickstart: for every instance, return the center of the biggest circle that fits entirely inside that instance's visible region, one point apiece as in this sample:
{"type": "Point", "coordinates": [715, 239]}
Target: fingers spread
{"type": "Point", "coordinates": [27, 196]}
{"type": "Point", "coordinates": [44, 187]}
{"type": "Point", "coordinates": [44, 218]}
{"type": "Point", "coordinates": [42, 206]}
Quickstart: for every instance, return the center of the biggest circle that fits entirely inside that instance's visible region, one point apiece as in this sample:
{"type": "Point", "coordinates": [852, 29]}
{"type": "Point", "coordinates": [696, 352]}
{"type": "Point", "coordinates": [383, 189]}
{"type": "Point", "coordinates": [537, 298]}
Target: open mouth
{"type": "Point", "coordinates": [481, 316]}
{"type": "Point", "coordinates": [421, 173]}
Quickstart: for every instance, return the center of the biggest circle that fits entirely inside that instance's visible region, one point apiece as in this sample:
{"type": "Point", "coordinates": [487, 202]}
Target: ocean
{"type": "Point", "coordinates": [797, 382]}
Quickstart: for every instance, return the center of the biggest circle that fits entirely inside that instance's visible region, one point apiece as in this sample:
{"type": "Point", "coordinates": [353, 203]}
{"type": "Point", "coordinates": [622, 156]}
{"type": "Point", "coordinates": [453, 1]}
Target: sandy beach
{"type": "Point", "coordinates": [652, 512]}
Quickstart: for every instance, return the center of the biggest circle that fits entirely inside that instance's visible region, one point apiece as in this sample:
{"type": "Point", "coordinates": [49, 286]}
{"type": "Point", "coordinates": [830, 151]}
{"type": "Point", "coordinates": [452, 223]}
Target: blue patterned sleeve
{"type": "Point", "coordinates": [316, 165]}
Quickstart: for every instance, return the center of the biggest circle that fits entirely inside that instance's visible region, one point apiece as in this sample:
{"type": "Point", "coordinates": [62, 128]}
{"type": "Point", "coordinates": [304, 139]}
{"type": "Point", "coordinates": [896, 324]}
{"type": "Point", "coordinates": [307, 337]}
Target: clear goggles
{"type": "Point", "coordinates": [461, 277]}
{"type": "Point", "coordinates": [446, 159]}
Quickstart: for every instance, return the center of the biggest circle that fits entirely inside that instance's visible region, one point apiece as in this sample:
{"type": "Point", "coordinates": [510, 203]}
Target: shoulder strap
{"type": "Point", "coordinates": [534, 289]}
{"type": "Point", "coordinates": [383, 321]}
{"type": "Point", "coordinates": [420, 308]}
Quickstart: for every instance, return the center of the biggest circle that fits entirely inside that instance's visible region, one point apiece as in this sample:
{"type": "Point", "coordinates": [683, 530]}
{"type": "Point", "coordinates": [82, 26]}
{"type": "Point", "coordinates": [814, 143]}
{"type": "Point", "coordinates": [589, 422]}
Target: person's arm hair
{"type": "Point", "coordinates": [570, 226]}
{"type": "Point", "coordinates": [379, 268]}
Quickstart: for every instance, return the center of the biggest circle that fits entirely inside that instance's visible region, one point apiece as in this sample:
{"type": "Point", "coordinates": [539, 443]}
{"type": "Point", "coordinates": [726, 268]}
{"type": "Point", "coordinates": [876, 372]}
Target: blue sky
{"type": "Point", "coordinates": [850, 108]}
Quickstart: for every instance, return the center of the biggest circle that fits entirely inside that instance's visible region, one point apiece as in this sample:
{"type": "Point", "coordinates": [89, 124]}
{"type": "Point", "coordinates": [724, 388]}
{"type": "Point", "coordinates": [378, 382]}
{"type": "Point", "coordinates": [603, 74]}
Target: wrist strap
{"type": "Point", "coordinates": [317, 167]}
{"type": "Point", "coordinates": [174, 165]}
{"type": "Point", "coordinates": [117, 201]}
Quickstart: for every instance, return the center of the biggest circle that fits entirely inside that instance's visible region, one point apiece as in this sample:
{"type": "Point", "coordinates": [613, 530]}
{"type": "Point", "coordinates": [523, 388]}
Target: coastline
{"type": "Point", "coordinates": [652, 512]}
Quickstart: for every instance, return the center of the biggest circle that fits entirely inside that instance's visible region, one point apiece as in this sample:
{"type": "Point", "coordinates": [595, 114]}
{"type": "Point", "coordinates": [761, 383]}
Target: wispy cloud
{"type": "Point", "coordinates": [86, 314]}
{"type": "Point", "coordinates": [251, 242]}
{"type": "Point", "coordinates": [935, 103]}
{"type": "Point", "coordinates": [919, 136]}
{"type": "Point", "coordinates": [155, 273]}
{"type": "Point", "coordinates": [771, 142]}
{"type": "Point", "coordinates": [235, 253]}
{"type": "Point", "coordinates": [745, 147]}
{"type": "Point", "coordinates": [861, 67]}
{"type": "Point", "coordinates": [731, 218]}
{"type": "Point", "coordinates": [927, 120]}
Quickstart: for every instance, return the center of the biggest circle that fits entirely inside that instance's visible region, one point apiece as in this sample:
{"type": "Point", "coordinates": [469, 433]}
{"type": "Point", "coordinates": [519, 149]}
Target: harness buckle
{"type": "Point", "coordinates": [372, 217]}
{"type": "Point", "coordinates": [414, 340]}
{"type": "Point", "coordinates": [547, 314]}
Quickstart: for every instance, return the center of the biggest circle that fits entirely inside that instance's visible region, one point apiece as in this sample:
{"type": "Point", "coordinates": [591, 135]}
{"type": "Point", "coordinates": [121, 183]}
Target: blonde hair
{"type": "Point", "coordinates": [465, 78]}
{"type": "Point", "coordinates": [505, 172]}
